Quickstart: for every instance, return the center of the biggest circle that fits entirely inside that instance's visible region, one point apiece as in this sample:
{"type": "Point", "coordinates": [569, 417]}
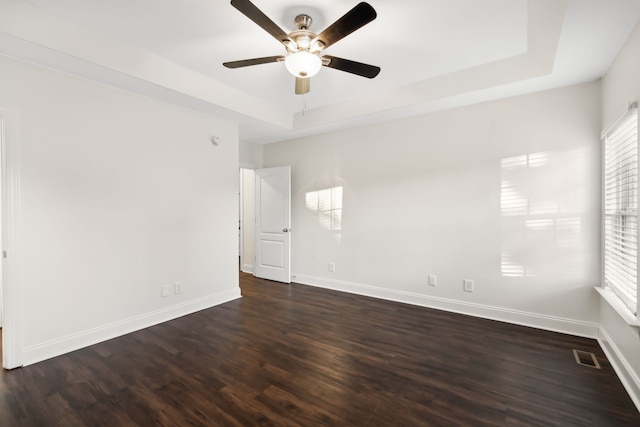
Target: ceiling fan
{"type": "Point", "coordinates": [304, 48]}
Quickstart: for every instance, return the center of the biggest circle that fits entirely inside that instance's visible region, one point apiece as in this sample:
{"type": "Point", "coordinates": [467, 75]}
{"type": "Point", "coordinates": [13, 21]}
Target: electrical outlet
{"type": "Point", "coordinates": [177, 288]}
{"type": "Point", "coordinates": [433, 281]}
{"type": "Point", "coordinates": [332, 267]}
{"type": "Point", "coordinates": [164, 290]}
{"type": "Point", "coordinates": [467, 285]}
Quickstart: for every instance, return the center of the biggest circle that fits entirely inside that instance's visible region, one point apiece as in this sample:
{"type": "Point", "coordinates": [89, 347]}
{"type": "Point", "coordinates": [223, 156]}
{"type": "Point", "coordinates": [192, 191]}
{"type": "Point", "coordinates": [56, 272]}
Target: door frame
{"type": "Point", "coordinates": [10, 254]}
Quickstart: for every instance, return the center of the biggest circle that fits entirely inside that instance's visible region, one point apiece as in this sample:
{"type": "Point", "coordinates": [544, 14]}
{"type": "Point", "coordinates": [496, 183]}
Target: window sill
{"type": "Point", "coordinates": [618, 306]}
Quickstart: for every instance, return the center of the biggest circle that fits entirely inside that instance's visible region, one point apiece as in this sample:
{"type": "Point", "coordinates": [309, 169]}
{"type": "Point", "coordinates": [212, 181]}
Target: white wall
{"type": "Point", "coordinates": [120, 194]}
{"type": "Point", "coordinates": [620, 86]}
{"type": "Point", "coordinates": [251, 155]}
{"type": "Point", "coordinates": [450, 194]}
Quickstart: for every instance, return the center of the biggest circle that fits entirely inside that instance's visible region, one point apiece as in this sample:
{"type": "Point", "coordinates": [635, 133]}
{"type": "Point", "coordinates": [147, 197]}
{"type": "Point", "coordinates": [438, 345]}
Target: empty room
{"type": "Point", "coordinates": [319, 213]}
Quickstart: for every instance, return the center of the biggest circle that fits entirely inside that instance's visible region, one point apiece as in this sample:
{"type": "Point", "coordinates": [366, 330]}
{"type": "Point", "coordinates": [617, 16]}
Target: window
{"type": "Point", "coordinates": [620, 200]}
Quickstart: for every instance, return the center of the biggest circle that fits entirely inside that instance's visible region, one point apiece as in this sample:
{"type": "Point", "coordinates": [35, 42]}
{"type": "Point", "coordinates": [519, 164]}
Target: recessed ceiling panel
{"type": "Point", "coordinates": [410, 40]}
{"type": "Point", "coordinates": [433, 53]}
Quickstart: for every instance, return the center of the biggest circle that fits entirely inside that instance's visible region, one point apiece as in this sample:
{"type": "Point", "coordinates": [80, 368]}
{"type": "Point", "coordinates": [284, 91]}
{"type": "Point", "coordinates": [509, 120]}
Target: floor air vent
{"type": "Point", "coordinates": [586, 359]}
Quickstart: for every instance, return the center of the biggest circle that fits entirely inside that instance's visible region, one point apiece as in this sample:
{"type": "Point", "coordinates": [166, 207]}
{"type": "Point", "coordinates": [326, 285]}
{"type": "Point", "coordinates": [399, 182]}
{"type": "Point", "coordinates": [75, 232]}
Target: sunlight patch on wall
{"type": "Point", "coordinates": [526, 160]}
{"type": "Point", "coordinates": [514, 196]}
{"type": "Point", "coordinates": [327, 205]}
{"type": "Point", "coordinates": [568, 232]}
{"type": "Point", "coordinates": [537, 229]}
{"type": "Point", "coordinates": [512, 203]}
{"type": "Point", "coordinates": [509, 266]}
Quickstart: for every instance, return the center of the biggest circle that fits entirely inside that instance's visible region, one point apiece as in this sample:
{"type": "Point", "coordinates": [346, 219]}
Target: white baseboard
{"type": "Point", "coordinates": [47, 350]}
{"type": "Point", "coordinates": [627, 376]}
{"type": "Point", "coordinates": [534, 320]}
{"type": "Point", "coordinates": [247, 268]}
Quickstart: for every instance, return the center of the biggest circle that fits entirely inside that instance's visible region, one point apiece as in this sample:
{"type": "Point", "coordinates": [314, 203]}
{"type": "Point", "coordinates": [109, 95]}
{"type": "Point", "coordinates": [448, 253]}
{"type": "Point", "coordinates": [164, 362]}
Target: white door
{"type": "Point", "coordinates": [273, 224]}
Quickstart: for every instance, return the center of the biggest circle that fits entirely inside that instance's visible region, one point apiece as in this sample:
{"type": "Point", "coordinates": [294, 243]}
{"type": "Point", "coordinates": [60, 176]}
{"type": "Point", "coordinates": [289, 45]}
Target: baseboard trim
{"type": "Point", "coordinates": [627, 376]}
{"type": "Point", "coordinates": [534, 320]}
{"type": "Point", "coordinates": [247, 268]}
{"type": "Point", "coordinates": [57, 347]}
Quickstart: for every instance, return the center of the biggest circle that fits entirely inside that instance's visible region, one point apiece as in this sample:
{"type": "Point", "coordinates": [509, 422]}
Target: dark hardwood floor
{"type": "Point", "coordinates": [290, 355]}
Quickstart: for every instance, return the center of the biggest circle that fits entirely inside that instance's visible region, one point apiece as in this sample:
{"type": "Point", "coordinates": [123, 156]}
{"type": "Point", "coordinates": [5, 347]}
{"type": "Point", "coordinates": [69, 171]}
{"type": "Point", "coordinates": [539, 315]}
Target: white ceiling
{"type": "Point", "coordinates": [434, 54]}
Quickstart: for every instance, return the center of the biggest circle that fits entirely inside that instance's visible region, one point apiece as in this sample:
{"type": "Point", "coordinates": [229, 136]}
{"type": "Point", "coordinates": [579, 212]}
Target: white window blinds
{"type": "Point", "coordinates": [621, 208]}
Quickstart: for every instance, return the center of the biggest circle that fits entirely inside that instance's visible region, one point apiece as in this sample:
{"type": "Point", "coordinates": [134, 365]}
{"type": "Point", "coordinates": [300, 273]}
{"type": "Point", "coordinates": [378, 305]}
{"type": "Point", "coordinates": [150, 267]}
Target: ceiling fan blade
{"type": "Point", "coordinates": [360, 15]}
{"type": "Point", "coordinates": [353, 67]}
{"type": "Point", "coordinates": [303, 85]}
{"type": "Point", "coordinates": [252, 12]}
{"type": "Point", "coordinates": [253, 61]}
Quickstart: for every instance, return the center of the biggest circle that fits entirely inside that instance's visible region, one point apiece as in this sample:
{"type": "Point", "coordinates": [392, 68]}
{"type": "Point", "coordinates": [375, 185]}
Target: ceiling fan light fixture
{"type": "Point", "coordinates": [303, 64]}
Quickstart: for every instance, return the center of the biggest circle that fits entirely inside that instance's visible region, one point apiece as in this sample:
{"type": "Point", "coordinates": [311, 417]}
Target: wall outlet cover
{"type": "Point", "coordinates": [164, 290]}
{"type": "Point", "coordinates": [177, 288]}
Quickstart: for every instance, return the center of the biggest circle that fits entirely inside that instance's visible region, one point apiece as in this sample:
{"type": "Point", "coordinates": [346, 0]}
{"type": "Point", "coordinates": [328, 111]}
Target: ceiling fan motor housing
{"type": "Point", "coordinates": [303, 22]}
{"type": "Point", "coordinates": [303, 37]}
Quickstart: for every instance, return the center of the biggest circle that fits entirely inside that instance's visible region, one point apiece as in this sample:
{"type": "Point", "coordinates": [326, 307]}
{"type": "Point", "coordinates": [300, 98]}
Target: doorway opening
{"type": "Point", "coordinates": [247, 220]}
{"type": "Point", "coordinates": [265, 223]}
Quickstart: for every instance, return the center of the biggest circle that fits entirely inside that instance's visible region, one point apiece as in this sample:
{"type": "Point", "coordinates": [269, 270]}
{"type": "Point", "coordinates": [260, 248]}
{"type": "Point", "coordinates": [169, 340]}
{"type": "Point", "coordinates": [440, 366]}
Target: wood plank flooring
{"type": "Point", "coordinates": [292, 355]}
